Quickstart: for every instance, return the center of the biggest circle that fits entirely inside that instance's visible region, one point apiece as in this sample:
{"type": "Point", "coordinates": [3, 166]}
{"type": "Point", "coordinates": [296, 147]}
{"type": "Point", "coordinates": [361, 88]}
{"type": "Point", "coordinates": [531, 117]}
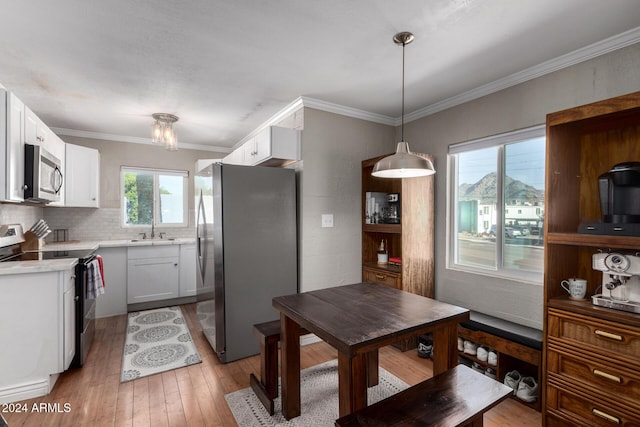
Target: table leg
{"type": "Point", "coordinates": [372, 368]}
{"type": "Point", "coordinates": [290, 366]}
{"type": "Point", "coordinates": [445, 346]}
{"type": "Point", "coordinates": [352, 383]}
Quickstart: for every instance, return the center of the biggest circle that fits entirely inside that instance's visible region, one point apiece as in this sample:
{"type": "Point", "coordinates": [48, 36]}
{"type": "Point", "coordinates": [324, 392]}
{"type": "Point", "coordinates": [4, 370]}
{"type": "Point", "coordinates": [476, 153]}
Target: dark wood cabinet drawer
{"type": "Point", "coordinates": [382, 276]}
{"type": "Point", "coordinates": [594, 335]}
{"type": "Point", "coordinates": [581, 410]}
{"type": "Point", "coordinates": [599, 374]}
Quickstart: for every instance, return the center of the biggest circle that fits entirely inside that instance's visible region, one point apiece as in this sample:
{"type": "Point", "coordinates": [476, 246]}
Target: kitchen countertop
{"type": "Point", "coordinates": [44, 266]}
{"type": "Point", "coordinates": [21, 267]}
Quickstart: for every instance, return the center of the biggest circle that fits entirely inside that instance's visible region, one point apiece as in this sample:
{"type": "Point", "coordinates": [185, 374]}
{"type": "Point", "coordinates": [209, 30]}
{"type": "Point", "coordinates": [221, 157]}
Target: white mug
{"type": "Point", "coordinates": [577, 288]}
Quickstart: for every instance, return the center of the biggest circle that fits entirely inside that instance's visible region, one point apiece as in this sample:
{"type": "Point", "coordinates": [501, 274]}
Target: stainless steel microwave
{"type": "Point", "coordinates": [42, 175]}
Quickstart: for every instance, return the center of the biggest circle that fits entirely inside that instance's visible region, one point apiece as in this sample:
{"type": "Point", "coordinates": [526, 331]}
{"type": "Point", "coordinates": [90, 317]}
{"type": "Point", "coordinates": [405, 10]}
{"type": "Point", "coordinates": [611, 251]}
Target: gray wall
{"type": "Point", "coordinates": [333, 147]}
{"type": "Point", "coordinates": [521, 106]}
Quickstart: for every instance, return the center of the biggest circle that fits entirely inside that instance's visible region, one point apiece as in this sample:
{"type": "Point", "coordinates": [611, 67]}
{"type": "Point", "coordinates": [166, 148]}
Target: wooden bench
{"type": "Point", "coordinates": [266, 388]}
{"type": "Point", "coordinates": [457, 397]}
{"type": "Point", "coordinates": [518, 347]}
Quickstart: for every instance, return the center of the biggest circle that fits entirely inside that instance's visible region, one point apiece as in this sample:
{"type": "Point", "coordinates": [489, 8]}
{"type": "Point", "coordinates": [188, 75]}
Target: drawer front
{"type": "Point", "coordinates": [596, 335]}
{"type": "Point", "coordinates": [615, 380]}
{"type": "Point", "coordinates": [382, 277]}
{"type": "Point", "coordinates": [583, 411]}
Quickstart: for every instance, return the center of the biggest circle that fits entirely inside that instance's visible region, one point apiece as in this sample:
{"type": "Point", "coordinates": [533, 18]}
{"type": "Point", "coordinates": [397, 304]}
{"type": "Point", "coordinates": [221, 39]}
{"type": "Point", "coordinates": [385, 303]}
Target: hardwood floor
{"type": "Point", "coordinates": [194, 395]}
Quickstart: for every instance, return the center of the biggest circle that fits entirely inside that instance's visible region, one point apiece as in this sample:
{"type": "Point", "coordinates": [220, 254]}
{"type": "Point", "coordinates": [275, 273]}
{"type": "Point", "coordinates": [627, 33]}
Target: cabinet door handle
{"type": "Point", "coordinates": [380, 277]}
{"type": "Point", "coordinates": [599, 373]}
{"type": "Point", "coordinates": [606, 416]}
{"type": "Point", "coordinates": [609, 335]}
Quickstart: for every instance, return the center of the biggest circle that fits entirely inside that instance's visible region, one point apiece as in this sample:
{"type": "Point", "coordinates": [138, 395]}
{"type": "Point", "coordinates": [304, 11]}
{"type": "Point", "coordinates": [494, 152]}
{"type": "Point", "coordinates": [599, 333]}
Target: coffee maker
{"type": "Point", "coordinates": [620, 280]}
{"type": "Point", "coordinates": [393, 215]}
{"type": "Point", "coordinates": [619, 190]}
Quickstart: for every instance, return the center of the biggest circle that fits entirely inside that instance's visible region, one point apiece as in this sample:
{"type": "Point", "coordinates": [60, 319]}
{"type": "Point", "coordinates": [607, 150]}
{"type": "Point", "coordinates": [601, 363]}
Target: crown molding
{"type": "Point", "coordinates": [347, 111]}
{"type": "Point", "coordinates": [594, 50]}
{"type": "Point", "coordinates": [133, 139]}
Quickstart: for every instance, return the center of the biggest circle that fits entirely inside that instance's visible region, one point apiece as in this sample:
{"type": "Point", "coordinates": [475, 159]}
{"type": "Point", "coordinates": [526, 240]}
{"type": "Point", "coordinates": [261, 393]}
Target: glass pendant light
{"type": "Point", "coordinates": [403, 164]}
{"type": "Point", "coordinates": [162, 132]}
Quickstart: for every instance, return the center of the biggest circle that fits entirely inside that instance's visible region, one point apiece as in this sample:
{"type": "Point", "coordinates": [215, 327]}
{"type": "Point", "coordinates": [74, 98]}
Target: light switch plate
{"type": "Point", "coordinates": [327, 220]}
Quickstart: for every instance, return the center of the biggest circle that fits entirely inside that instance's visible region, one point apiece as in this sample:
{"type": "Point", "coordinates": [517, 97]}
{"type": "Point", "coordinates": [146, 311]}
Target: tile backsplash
{"type": "Point", "coordinates": [104, 224]}
{"type": "Point", "coordinates": [20, 214]}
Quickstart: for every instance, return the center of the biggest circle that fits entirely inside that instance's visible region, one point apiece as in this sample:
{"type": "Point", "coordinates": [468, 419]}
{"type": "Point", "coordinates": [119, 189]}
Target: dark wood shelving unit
{"type": "Point", "coordinates": [411, 240]}
{"type": "Point", "coordinates": [591, 357]}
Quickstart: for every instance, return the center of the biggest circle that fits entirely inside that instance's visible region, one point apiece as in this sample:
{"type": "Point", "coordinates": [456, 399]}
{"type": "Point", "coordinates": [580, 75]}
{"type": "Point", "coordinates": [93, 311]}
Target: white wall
{"type": "Point", "coordinates": [521, 106]}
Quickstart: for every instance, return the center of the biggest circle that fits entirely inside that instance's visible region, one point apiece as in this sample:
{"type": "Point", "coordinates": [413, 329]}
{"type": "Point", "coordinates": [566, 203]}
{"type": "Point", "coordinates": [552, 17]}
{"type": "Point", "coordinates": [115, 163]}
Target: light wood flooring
{"type": "Point", "coordinates": [194, 395]}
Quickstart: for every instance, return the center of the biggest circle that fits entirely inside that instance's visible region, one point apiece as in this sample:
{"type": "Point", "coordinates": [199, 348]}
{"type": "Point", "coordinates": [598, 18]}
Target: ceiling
{"type": "Point", "coordinates": [102, 68]}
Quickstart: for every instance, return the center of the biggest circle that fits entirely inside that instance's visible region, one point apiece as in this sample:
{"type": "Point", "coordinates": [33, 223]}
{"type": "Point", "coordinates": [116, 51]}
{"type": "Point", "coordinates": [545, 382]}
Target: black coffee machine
{"type": "Point", "coordinates": [620, 194]}
{"type": "Point", "coordinates": [619, 202]}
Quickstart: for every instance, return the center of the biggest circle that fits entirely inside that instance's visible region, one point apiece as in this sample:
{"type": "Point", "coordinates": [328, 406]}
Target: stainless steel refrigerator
{"type": "Point", "coordinates": [246, 249]}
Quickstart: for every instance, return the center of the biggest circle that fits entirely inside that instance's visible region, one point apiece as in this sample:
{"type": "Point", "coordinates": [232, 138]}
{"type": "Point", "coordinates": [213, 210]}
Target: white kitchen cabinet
{"type": "Point", "coordinates": [69, 305]}
{"type": "Point", "coordinates": [82, 176]}
{"type": "Point", "coordinates": [187, 270]}
{"type": "Point", "coordinates": [41, 337]}
{"type": "Point", "coordinates": [153, 273]}
{"type": "Point", "coordinates": [114, 300]}
{"type": "Point", "coordinates": [275, 146]}
{"type": "Point", "coordinates": [35, 131]}
{"type": "Point", "coordinates": [11, 147]}
{"type": "Point", "coordinates": [236, 157]}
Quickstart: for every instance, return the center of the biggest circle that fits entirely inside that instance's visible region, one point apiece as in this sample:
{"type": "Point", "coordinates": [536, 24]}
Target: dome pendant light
{"type": "Point", "coordinates": [403, 164]}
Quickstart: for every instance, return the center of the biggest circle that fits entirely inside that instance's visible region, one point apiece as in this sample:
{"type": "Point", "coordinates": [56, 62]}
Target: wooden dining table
{"type": "Point", "coordinates": [358, 320]}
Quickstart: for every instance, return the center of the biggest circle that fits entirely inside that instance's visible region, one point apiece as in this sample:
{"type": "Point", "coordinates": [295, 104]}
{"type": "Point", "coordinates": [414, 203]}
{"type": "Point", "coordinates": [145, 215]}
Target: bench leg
{"type": "Point", "coordinates": [267, 388]}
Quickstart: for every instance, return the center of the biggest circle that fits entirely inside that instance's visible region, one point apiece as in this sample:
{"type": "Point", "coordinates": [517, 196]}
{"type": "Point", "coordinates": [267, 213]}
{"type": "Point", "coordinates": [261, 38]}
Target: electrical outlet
{"type": "Point", "coordinates": [327, 220]}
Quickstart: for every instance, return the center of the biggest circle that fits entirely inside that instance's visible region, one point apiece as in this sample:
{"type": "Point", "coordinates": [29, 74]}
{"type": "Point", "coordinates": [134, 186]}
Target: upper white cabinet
{"type": "Point", "coordinates": [236, 157]}
{"type": "Point", "coordinates": [82, 176]}
{"type": "Point", "coordinates": [11, 147]}
{"type": "Point", "coordinates": [273, 146]}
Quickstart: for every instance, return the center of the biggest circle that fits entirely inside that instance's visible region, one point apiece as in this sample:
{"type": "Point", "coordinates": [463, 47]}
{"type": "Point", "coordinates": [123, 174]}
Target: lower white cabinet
{"type": "Point", "coordinates": [153, 273]}
{"type": "Point", "coordinates": [69, 305]}
{"type": "Point", "coordinates": [187, 270]}
{"type": "Point", "coordinates": [114, 299]}
{"type": "Point", "coordinates": [38, 342]}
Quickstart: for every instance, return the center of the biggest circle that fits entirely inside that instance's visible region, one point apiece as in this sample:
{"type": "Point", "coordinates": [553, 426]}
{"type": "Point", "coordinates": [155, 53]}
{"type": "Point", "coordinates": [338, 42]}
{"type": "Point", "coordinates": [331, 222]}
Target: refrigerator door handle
{"type": "Point", "coordinates": [200, 234]}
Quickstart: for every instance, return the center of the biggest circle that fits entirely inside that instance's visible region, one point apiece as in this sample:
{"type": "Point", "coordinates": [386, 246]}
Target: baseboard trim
{"type": "Point", "coordinates": [15, 393]}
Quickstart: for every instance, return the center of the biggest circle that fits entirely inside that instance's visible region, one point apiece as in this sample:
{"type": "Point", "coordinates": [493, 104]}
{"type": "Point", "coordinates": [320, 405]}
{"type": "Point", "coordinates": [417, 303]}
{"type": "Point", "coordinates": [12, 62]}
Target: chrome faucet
{"type": "Point", "coordinates": [153, 233]}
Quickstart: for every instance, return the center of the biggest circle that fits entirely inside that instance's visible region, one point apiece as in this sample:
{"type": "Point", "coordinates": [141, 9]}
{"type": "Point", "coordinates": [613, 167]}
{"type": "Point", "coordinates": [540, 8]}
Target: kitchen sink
{"type": "Point", "coordinates": [169, 239]}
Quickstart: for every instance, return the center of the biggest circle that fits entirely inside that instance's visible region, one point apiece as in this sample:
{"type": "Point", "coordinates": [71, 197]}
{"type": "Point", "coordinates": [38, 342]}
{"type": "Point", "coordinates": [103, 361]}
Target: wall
{"type": "Point", "coordinates": [521, 106]}
{"type": "Point", "coordinates": [333, 147]}
{"type": "Point", "coordinates": [104, 223]}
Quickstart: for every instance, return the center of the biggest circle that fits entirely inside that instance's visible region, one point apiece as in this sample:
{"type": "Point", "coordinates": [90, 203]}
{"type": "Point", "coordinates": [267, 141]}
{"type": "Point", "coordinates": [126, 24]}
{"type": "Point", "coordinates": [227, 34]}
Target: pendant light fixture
{"type": "Point", "coordinates": [403, 164]}
{"type": "Point", "coordinates": [162, 132]}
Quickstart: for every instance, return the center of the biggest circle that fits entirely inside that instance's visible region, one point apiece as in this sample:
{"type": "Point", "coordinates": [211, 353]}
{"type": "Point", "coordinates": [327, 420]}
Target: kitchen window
{"type": "Point", "coordinates": [496, 205]}
{"type": "Point", "coordinates": [153, 196]}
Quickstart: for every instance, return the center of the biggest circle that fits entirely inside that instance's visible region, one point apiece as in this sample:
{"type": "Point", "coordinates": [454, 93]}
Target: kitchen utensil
{"type": "Point", "coordinates": [36, 225]}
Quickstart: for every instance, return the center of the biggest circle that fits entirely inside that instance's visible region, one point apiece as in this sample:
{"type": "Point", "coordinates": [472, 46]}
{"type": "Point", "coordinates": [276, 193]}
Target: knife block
{"type": "Point", "coordinates": [31, 242]}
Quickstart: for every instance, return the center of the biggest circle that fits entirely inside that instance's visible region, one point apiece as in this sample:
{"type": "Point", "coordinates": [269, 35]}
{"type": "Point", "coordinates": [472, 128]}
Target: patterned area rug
{"type": "Point", "coordinates": [157, 340]}
{"type": "Point", "coordinates": [319, 394]}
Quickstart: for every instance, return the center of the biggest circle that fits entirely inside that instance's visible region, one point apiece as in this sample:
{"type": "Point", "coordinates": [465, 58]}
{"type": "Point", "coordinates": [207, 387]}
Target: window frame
{"type": "Point", "coordinates": [156, 200]}
{"type": "Point", "coordinates": [500, 141]}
